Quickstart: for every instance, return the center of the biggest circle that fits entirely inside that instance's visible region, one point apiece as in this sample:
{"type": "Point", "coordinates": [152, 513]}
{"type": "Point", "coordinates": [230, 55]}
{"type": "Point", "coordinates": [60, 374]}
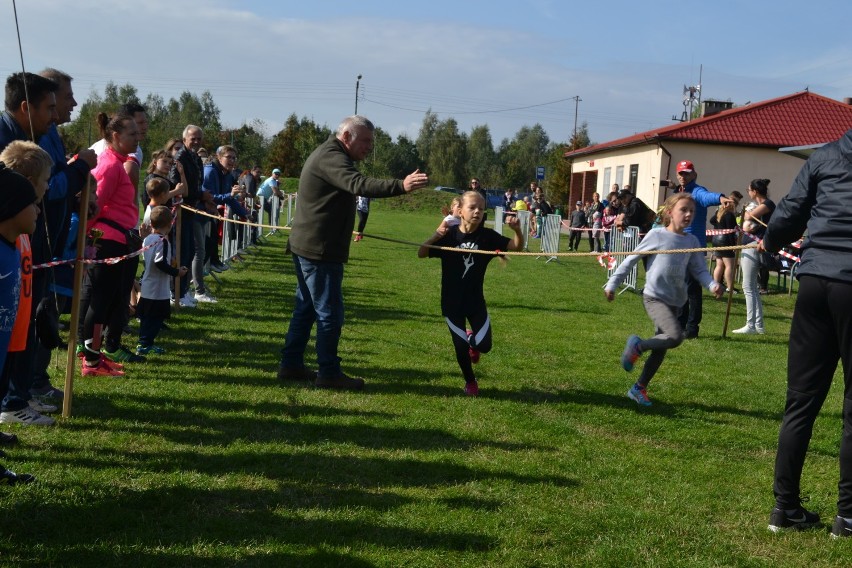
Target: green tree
{"type": "Point", "coordinates": [482, 159]}
{"type": "Point", "coordinates": [448, 155]}
{"type": "Point", "coordinates": [404, 158]}
{"type": "Point", "coordinates": [292, 145]}
{"type": "Point", "coordinates": [521, 156]}
{"type": "Point", "coordinates": [426, 138]}
{"type": "Point", "coordinates": [377, 163]}
{"type": "Point", "coordinates": [557, 175]}
{"type": "Point", "coordinates": [581, 138]}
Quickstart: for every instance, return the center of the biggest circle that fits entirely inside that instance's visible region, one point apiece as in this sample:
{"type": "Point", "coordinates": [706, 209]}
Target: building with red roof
{"type": "Point", "coordinates": [729, 147]}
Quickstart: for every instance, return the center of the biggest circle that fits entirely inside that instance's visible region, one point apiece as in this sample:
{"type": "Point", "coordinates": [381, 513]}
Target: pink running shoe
{"type": "Point", "coordinates": [471, 389]}
{"type": "Point", "coordinates": [100, 370]}
{"type": "Point", "coordinates": [474, 354]}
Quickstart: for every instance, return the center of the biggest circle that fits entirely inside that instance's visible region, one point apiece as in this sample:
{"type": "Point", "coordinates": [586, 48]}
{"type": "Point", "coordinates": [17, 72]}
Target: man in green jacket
{"type": "Point", "coordinates": [319, 241]}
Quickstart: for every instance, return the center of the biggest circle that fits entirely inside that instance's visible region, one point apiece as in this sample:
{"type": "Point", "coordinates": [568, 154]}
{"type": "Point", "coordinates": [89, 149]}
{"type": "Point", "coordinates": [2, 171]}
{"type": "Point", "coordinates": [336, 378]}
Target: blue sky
{"type": "Point", "coordinates": [505, 64]}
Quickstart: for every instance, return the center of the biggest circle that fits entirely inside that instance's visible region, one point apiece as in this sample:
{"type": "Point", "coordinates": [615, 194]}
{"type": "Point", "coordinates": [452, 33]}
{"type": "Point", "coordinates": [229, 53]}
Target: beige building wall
{"type": "Point", "coordinates": [721, 168]}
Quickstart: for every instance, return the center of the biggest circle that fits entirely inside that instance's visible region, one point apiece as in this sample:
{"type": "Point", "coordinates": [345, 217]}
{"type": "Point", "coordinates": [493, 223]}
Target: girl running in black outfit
{"type": "Point", "coordinates": [462, 276]}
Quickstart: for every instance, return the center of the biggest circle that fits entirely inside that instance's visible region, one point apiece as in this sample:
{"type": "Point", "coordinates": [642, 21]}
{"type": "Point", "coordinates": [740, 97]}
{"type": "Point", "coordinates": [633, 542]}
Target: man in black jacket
{"type": "Point", "coordinates": [319, 241]}
{"type": "Point", "coordinates": [821, 330]}
{"type": "Point", "coordinates": [192, 228]}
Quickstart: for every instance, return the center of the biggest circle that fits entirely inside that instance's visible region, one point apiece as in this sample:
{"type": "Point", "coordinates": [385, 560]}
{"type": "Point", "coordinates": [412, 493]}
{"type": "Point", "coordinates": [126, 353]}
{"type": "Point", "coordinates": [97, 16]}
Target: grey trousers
{"type": "Point", "coordinates": [669, 334]}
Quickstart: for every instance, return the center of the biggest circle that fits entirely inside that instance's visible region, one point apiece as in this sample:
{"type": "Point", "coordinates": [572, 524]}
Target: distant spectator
{"type": "Point", "coordinates": [362, 206]}
{"type": "Point", "coordinates": [477, 187]}
{"type": "Point", "coordinates": [576, 223]}
{"type": "Point", "coordinates": [725, 219]}
{"type": "Point", "coordinates": [755, 219]}
{"type": "Point", "coordinates": [607, 224]}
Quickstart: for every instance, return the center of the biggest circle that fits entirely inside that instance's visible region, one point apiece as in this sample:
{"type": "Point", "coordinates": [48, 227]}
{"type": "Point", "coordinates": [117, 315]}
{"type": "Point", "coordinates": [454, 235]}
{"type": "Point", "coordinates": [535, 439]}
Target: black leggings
{"type": "Point", "coordinates": [820, 336]}
{"type": "Point", "coordinates": [362, 220]}
{"type": "Point", "coordinates": [480, 339]}
{"type": "Point", "coordinates": [106, 292]}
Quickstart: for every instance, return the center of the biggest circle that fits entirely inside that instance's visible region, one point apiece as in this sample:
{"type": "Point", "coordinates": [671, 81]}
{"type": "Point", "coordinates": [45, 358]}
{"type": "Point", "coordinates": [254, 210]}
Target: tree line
{"type": "Point", "coordinates": [450, 156]}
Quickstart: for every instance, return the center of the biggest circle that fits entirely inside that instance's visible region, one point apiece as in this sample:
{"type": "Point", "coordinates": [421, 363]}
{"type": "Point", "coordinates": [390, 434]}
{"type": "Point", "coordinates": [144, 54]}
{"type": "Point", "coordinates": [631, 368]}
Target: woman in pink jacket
{"type": "Point", "coordinates": [107, 287]}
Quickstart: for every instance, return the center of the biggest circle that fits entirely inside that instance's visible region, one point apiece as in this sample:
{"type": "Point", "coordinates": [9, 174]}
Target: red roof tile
{"type": "Point", "coordinates": [794, 120]}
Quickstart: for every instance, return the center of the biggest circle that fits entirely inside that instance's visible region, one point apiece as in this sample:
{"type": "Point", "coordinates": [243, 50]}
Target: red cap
{"type": "Point", "coordinates": [685, 166]}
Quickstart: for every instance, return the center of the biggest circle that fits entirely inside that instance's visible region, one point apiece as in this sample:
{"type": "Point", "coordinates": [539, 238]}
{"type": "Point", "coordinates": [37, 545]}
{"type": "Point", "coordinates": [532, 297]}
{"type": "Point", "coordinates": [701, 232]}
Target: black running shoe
{"type": "Point", "coordinates": [8, 477]}
{"type": "Point", "coordinates": [841, 528]}
{"type": "Point", "coordinates": [780, 520]}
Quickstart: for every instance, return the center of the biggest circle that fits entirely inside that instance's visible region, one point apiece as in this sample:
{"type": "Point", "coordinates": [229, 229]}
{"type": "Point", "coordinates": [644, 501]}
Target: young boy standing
{"type": "Point", "coordinates": [18, 405]}
{"type": "Point", "coordinates": [18, 214]}
{"type": "Point", "coordinates": [154, 307]}
{"type": "Point", "coordinates": [462, 276]}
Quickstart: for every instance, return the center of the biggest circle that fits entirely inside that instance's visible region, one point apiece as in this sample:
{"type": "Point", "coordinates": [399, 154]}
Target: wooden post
{"type": "Point", "coordinates": [179, 216]}
{"type": "Point", "coordinates": [79, 267]}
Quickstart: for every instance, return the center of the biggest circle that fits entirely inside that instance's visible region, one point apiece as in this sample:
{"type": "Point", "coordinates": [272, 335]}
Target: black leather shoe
{"type": "Point", "coordinates": [296, 374]}
{"type": "Point", "coordinates": [340, 382]}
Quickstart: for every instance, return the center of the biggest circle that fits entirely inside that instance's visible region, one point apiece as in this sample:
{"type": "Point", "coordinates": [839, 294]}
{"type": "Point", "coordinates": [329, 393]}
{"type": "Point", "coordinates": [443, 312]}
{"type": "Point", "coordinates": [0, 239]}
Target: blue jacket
{"type": "Point", "coordinates": [218, 183]}
{"type": "Point", "coordinates": [10, 130]}
{"type": "Point", "coordinates": [66, 180]}
{"type": "Point", "coordinates": [703, 199]}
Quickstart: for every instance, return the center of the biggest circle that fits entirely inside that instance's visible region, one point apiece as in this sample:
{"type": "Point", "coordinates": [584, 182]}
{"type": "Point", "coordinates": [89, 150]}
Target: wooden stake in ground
{"type": "Point", "coordinates": [79, 267]}
{"type": "Point", "coordinates": [178, 229]}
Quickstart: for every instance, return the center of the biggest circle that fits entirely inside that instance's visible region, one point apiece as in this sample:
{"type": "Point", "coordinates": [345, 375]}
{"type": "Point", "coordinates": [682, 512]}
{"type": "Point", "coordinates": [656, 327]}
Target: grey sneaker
{"type": "Point", "coordinates": [841, 528]}
{"type": "Point", "coordinates": [42, 407]}
{"type": "Point", "coordinates": [49, 391]}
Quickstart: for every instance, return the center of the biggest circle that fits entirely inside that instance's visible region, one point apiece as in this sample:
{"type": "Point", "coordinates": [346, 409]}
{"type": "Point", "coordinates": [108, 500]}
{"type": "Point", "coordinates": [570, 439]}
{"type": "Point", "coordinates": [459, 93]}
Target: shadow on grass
{"type": "Point", "coordinates": [221, 423]}
{"type": "Point", "coordinates": [660, 407]}
{"type": "Point", "coordinates": [248, 524]}
{"type": "Point", "coordinates": [107, 555]}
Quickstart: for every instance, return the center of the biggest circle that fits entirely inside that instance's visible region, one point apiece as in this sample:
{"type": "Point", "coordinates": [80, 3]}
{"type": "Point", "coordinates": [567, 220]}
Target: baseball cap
{"type": "Point", "coordinates": [685, 166]}
{"type": "Point", "coordinates": [276, 171]}
{"type": "Point", "coordinates": [623, 192]}
{"type": "Point", "coordinates": [579, 203]}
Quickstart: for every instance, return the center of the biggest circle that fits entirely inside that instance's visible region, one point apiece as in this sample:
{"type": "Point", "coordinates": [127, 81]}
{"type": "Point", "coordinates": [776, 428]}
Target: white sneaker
{"type": "Point", "coordinates": [205, 298]}
{"type": "Point", "coordinates": [42, 407]}
{"type": "Point", "coordinates": [187, 301]}
{"type": "Point", "coordinates": [745, 330]}
{"type": "Point", "coordinates": [760, 331]}
{"type": "Point", "coordinates": [26, 416]}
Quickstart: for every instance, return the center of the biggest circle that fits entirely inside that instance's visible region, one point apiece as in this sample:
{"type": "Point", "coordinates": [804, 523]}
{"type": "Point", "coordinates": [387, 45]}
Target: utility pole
{"type": "Point", "coordinates": [357, 85]}
{"type": "Point", "coordinates": [577, 100]}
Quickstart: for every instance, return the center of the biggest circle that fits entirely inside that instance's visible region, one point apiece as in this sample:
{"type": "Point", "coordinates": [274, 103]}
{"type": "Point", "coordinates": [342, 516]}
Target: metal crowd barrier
{"type": "Point", "coordinates": [498, 219]}
{"type": "Point", "coordinates": [550, 231]}
{"type": "Point", "coordinates": [624, 241]}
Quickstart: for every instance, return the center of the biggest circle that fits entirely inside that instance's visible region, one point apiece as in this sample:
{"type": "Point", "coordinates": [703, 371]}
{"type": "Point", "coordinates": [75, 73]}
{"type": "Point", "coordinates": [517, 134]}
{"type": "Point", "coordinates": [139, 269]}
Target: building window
{"type": "Point", "coordinates": [634, 177]}
{"type": "Point", "coordinates": [619, 176]}
{"type": "Point", "coordinates": [606, 184]}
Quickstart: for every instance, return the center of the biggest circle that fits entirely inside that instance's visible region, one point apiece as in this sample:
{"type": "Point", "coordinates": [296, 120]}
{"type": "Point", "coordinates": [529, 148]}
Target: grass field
{"type": "Point", "coordinates": [200, 458]}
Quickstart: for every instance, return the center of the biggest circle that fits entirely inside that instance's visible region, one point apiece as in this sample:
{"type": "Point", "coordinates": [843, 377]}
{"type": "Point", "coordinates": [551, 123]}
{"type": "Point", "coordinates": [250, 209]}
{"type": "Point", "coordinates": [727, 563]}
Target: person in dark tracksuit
{"type": "Point", "coordinates": [821, 330]}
